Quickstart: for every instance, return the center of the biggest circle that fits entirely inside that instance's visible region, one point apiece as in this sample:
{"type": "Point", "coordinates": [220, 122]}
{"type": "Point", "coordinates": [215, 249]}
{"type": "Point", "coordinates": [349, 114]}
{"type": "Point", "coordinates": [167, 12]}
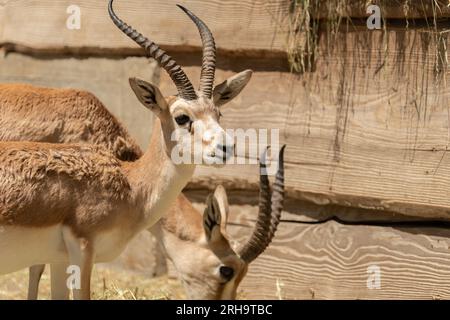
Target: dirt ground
{"type": "Point", "coordinates": [107, 284]}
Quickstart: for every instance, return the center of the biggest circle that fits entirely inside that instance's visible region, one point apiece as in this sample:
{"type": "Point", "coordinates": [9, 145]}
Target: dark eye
{"type": "Point", "coordinates": [226, 272]}
{"type": "Point", "coordinates": [182, 120]}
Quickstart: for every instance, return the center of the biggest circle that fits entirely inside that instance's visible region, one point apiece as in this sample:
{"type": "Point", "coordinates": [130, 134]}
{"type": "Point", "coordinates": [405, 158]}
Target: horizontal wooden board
{"type": "Point", "coordinates": [331, 260]}
{"type": "Point", "coordinates": [237, 25]}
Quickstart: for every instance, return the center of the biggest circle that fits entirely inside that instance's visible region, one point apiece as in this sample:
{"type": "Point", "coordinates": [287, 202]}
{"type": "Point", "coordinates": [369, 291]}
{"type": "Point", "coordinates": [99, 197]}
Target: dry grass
{"type": "Point", "coordinates": [107, 284]}
{"type": "Point", "coordinates": [305, 29]}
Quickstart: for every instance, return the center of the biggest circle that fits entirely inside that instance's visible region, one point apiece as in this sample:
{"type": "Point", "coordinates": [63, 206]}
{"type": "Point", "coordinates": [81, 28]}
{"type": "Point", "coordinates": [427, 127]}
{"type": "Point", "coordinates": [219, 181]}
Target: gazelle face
{"type": "Point", "coordinates": [192, 117]}
{"type": "Point", "coordinates": [200, 138]}
{"type": "Point", "coordinates": [191, 127]}
{"type": "Point", "coordinates": [208, 276]}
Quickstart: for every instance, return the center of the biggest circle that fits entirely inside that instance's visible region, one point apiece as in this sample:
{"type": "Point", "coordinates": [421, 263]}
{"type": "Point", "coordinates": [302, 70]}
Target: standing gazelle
{"type": "Point", "coordinates": [77, 204]}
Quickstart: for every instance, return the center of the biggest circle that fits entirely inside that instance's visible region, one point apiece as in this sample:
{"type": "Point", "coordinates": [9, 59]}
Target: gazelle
{"type": "Point", "coordinates": [206, 262]}
{"type": "Point", "coordinates": [77, 204]}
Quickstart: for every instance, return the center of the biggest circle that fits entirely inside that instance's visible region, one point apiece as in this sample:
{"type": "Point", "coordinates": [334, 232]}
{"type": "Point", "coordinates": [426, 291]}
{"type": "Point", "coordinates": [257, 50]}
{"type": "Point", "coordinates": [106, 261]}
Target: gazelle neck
{"type": "Point", "coordinates": [157, 181]}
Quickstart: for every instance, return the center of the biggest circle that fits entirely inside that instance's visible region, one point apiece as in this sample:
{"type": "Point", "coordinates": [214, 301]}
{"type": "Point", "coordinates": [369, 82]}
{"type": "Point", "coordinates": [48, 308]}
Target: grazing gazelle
{"type": "Point", "coordinates": [206, 263]}
{"type": "Point", "coordinates": [77, 204]}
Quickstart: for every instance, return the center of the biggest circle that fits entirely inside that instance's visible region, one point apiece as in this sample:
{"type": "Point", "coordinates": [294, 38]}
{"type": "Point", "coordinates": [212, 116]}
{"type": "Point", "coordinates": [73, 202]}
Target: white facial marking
{"type": "Point", "coordinates": [206, 142]}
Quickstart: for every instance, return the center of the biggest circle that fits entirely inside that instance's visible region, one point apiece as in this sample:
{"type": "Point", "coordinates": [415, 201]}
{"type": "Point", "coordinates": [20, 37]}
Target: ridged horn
{"type": "Point", "coordinates": [270, 208]}
{"type": "Point", "coordinates": [209, 54]}
{"type": "Point", "coordinates": [181, 81]}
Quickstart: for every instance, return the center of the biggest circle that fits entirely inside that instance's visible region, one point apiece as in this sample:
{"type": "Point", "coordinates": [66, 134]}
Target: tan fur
{"type": "Point", "coordinates": [183, 220]}
{"type": "Point", "coordinates": [41, 175]}
{"type": "Point", "coordinates": [30, 113]}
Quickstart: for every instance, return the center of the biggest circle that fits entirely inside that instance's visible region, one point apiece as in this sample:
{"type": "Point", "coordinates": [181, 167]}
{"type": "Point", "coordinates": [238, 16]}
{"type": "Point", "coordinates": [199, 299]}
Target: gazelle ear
{"type": "Point", "coordinates": [214, 221]}
{"type": "Point", "coordinates": [231, 87]}
{"type": "Point", "coordinates": [222, 200]}
{"type": "Point", "coordinates": [215, 216]}
{"type": "Point", "coordinates": [149, 95]}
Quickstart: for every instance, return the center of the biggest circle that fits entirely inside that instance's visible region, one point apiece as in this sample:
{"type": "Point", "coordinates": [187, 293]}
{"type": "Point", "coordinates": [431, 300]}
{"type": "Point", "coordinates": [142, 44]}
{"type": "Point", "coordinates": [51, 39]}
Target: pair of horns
{"type": "Point", "coordinates": [180, 79]}
{"type": "Point", "coordinates": [269, 215]}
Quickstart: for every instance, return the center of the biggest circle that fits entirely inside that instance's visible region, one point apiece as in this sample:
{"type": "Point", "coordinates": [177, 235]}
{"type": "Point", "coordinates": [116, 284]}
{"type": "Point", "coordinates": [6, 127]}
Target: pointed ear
{"type": "Point", "coordinates": [231, 87]}
{"type": "Point", "coordinates": [149, 95]}
{"type": "Point", "coordinates": [214, 221]}
{"type": "Point", "coordinates": [222, 200]}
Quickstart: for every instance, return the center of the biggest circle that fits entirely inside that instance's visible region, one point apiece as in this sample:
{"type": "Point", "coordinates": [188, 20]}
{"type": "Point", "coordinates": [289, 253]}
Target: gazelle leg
{"type": "Point", "coordinates": [60, 290]}
{"type": "Point", "coordinates": [81, 257]}
{"type": "Point", "coordinates": [34, 277]}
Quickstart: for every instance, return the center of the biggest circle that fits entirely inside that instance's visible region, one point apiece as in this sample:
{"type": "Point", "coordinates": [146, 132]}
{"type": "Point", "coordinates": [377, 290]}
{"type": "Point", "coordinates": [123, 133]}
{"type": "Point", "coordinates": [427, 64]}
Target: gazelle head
{"type": "Point", "coordinates": [208, 265]}
{"type": "Point", "coordinates": [190, 120]}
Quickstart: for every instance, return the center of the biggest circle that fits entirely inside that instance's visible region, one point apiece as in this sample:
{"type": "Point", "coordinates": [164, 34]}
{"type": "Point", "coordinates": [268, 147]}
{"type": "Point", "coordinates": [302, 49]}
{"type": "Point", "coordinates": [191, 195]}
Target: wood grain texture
{"type": "Point", "coordinates": [330, 260]}
{"type": "Point", "coordinates": [237, 25]}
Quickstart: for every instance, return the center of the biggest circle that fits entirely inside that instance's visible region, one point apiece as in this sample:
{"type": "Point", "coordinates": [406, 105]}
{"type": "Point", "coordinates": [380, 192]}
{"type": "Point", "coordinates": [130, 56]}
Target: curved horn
{"type": "Point", "coordinates": [277, 196]}
{"type": "Point", "coordinates": [209, 54]}
{"type": "Point", "coordinates": [269, 211]}
{"type": "Point", "coordinates": [184, 86]}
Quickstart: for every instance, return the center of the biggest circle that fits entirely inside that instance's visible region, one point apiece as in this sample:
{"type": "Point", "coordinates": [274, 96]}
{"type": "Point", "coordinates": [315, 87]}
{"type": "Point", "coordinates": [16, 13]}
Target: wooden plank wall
{"type": "Point", "coordinates": [334, 259]}
{"type": "Point", "coordinates": [367, 131]}
{"type": "Point", "coordinates": [42, 24]}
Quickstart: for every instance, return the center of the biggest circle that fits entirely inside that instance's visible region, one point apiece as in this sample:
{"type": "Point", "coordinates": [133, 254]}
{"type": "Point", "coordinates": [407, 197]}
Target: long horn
{"type": "Point", "coordinates": [269, 211]}
{"type": "Point", "coordinates": [184, 86]}
{"type": "Point", "coordinates": [209, 54]}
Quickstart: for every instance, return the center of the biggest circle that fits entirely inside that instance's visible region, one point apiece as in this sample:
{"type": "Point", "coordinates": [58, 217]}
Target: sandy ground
{"type": "Point", "coordinates": [107, 284]}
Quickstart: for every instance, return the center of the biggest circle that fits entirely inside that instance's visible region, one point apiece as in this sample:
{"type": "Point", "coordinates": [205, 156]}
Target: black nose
{"type": "Point", "coordinates": [225, 148]}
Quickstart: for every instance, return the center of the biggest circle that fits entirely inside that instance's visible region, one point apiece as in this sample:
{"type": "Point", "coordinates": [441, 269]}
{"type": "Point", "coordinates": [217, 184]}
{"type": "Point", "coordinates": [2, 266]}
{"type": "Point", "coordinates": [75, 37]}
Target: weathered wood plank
{"type": "Point", "coordinates": [303, 211]}
{"type": "Point", "coordinates": [331, 260]}
{"type": "Point", "coordinates": [237, 25]}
